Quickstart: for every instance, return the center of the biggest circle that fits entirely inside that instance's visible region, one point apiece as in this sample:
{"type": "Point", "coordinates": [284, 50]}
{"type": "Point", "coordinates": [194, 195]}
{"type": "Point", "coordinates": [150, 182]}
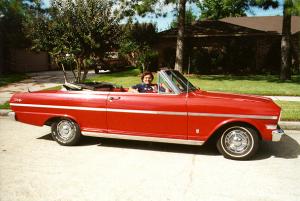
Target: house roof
{"type": "Point", "coordinates": [265, 23]}
{"type": "Point", "coordinates": [213, 28]}
{"type": "Point", "coordinates": [236, 26]}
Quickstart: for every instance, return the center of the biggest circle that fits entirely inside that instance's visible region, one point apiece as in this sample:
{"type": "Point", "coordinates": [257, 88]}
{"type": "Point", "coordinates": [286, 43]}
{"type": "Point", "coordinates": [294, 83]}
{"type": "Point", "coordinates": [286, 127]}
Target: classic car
{"type": "Point", "coordinates": [183, 114]}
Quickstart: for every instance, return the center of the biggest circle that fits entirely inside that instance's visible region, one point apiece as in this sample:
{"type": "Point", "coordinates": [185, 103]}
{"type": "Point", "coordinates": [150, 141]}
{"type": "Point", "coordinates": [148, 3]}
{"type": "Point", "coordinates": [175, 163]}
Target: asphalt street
{"type": "Point", "coordinates": [34, 167]}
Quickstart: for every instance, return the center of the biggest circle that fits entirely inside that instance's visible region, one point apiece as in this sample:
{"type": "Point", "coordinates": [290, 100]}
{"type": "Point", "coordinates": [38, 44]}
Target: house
{"type": "Point", "coordinates": [231, 45]}
{"type": "Point", "coordinates": [23, 61]}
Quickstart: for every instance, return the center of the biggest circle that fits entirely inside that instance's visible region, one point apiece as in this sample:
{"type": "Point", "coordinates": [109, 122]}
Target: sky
{"type": "Point", "coordinates": [163, 23]}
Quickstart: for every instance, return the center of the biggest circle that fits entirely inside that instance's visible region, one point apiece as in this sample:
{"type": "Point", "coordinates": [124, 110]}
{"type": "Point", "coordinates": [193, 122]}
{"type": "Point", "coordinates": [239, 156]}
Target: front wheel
{"type": "Point", "coordinates": [238, 142]}
{"type": "Point", "coordinates": [66, 132]}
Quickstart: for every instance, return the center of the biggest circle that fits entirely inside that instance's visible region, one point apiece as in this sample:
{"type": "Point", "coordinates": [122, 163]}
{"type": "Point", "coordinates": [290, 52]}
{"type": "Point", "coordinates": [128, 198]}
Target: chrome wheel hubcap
{"type": "Point", "coordinates": [66, 129]}
{"type": "Point", "coordinates": [237, 141]}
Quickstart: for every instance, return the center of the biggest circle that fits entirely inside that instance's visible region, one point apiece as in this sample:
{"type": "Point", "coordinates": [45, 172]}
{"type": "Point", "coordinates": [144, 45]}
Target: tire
{"type": "Point", "coordinates": [66, 132]}
{"type": "Point", "coordinates": [238, 142]}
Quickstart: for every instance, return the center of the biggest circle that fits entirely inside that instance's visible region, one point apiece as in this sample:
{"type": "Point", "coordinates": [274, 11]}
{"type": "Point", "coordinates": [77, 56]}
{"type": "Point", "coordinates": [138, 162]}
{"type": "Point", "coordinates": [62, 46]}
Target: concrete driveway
{"type": "Point", "coordinates": [37, 81]}
{"type": "Point", "coordinates": [33, 167]}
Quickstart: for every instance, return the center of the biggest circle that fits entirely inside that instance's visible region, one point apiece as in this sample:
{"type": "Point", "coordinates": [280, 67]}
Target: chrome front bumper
{"type": "Point", "coordinates": [12, 115]}
{"type": "Point", "coordinates": [277, 134]}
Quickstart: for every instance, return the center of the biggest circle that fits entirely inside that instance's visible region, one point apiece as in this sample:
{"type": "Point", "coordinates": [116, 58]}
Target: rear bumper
{"type": "Point", "coordinates": [12, 115]}
{"type": "Point", "coordinates": [277, 134]}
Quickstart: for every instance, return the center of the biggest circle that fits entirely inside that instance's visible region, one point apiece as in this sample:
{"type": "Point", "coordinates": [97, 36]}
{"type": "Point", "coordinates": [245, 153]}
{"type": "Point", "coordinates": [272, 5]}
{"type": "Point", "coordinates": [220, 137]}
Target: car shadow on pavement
{"type": "Point", "coordinates": [206, 149]}
{"type": "Point", "coordinates": [286, 148]}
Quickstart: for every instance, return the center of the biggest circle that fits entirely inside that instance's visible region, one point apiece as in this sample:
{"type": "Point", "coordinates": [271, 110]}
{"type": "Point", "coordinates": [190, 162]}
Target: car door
{"type": "Point", "coordinates": [147, 114]}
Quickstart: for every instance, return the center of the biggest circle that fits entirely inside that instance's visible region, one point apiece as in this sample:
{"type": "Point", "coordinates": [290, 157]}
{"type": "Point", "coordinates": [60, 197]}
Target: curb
{"type": "Point", "coordinates": [4, 112]}
{"type": "Point", "coordinates": [290, 125]}
{"type": "Point", "coordinates": [285, 125]}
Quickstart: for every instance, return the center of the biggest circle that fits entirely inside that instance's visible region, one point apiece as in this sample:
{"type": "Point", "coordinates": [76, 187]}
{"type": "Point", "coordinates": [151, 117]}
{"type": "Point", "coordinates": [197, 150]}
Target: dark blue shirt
{"type": "Point", "coordinates": [144, 88]}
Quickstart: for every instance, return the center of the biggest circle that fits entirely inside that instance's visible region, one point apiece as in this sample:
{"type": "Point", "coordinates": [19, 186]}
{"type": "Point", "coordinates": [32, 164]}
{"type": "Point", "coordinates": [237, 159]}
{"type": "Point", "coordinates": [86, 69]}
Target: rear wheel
{"type": "Point", "coordinates": [66, 132]}
{"type": "Point", "coordinates": [238, 142]}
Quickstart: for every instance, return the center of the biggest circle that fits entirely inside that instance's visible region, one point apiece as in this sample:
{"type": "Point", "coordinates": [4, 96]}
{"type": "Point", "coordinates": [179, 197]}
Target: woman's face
{"type": "Point", "coordinates": [147, 79]}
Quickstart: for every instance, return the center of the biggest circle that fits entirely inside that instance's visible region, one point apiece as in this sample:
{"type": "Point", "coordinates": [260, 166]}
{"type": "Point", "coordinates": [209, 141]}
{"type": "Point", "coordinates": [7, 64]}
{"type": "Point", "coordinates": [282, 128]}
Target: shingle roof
{"type": "Point", "coordinates": [233, 26]}
{"type": "Point", "coordinates": [212, 28]}
{"type": "Point", "coordinates": [265, 23]}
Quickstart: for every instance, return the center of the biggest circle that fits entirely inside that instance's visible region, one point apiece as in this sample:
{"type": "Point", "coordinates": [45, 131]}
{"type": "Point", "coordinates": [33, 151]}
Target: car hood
{"type": "Point", "coordinates": [226, 103]}
{"type": "Point", "coordinates": [233, 97]}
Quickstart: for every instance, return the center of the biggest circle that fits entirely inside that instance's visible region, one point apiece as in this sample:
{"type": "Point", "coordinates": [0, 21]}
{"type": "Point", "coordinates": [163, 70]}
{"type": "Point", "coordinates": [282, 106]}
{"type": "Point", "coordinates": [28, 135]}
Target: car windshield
{"type": "Point", "coordinates": [180, 81]}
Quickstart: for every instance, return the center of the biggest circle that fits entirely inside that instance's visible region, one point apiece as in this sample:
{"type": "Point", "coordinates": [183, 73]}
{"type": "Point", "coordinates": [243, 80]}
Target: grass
{"type": "Point", "coordinates": [6, 79]}
{"type": "Point", "coordinates": [53, 88]}
{"type": "Point", "coordinates": [5, 105]}
{"type": "Point", "coordinates": [254, 84]}
{"type": "Point", "coordinates": [124, 78]}
{"type": "Point", "coordinates": [290, 110]}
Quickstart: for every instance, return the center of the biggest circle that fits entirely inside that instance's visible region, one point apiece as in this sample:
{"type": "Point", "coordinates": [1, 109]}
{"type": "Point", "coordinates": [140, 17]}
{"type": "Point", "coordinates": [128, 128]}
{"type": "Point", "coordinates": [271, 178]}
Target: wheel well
{"type": "Point", "coordinates": [50, 121]}
{"type": "Point", "coordinates": [214, 137]}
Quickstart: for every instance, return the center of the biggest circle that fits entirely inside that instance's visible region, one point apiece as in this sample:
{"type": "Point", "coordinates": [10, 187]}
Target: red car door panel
{"type": "Point", "coordinates": [148, 114]}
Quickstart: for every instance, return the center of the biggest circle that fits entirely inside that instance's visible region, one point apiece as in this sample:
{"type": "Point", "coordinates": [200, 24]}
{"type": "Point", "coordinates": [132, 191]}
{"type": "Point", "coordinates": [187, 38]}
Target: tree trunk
{"type": "Point", "coordinates": [78, 68]}
{"type": "Point", "coordinates": [180, 36]}
{"type": "Point", "coordinates": [286, 58]}
{"type": "Point", "coordinates": [85, 71]}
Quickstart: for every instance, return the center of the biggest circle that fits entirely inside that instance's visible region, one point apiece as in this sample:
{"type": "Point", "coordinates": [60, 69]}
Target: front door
{"type": "Point", "coordinates": [147, 114]}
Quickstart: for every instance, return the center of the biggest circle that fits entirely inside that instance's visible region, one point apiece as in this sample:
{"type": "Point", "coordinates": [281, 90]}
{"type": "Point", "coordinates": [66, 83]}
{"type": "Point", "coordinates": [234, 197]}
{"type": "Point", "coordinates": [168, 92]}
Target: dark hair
{"type": "Point", "coordinates": [147, 73]}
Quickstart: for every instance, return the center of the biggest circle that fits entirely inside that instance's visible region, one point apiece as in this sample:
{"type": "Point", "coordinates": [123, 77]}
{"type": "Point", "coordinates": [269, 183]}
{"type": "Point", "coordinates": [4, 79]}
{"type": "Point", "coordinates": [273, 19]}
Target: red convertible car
{"type": "Point", "coordinates": [181, 114]}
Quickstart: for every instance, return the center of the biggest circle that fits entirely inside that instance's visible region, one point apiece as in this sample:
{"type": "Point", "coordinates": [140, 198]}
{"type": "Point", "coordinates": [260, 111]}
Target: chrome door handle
{"type": "Point", "coordinates": [114, 98]}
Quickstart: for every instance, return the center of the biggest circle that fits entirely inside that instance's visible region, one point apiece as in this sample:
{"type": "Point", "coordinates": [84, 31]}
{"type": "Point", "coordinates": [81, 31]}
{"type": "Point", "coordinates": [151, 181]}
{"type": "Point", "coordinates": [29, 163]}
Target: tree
{"type": "Point", "coordinates": [137, 45]}
{"type": "Point", "coordinates": [216, 9]}
{"type": "Point", "coordinates": [286, 60]}
{"type": "Point", "coordinates": [13, 13]}
{"type": "Point", "coordinates": [142, 7]}
{"type": "Point", "coordinates": [77, 30]}
{"type": "Point", "coordinates": [190, 17]}
{"type": "Point", "coordinates": [290, 7]}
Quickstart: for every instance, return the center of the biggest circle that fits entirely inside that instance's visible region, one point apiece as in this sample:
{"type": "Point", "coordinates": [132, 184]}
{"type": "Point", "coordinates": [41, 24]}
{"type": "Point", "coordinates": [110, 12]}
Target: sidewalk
{"type": "Point", "coordinates": [38, 81]}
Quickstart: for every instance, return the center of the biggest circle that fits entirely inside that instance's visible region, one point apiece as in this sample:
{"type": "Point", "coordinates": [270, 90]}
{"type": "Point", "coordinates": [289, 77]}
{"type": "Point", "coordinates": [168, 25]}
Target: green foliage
{"type": "Point", "coordinates": [296, 9]}
{"type": "Point", "coordinates": [137, 45]}
{"type": "Point", "coordinates": [216, 9]}
{"type": "Point", "coordinates": [13, 13]}
{"type": "Point", "coordinates": [77, 29]}
{"type": "Point", "coordinates": [189, 19]}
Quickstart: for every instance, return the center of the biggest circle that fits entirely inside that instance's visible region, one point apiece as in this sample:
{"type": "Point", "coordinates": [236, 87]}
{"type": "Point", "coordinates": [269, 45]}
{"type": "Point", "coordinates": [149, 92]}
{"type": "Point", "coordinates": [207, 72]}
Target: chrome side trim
{"type": "Point", "coordinates": [147, 111]}
{"type": "Point", "coordinates": [231, 115]}
{"type": "Point", "coordinates": [142, 138]}
{"type": "Point", "coordinates": [59, 107]}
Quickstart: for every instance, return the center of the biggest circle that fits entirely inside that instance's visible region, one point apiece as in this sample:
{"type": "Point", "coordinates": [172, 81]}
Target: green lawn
{"type": "Point", "coordinates": [254, 84]}
{"type": "Point", "coordinates": [5, 105]}
{"type": "Point", "coordinates": [10, 78]}
{"type": "Point", "coordinates": [290, 110]}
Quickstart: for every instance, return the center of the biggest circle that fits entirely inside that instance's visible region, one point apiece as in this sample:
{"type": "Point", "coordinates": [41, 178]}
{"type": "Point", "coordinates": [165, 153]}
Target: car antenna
{"type": "Point", "coordinates": [28, 90]}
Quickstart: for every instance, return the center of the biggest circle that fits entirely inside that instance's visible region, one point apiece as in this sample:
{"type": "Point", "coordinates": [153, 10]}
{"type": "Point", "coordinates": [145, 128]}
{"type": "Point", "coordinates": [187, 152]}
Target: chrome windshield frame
{"type": "Point", "coordinates": [163, 75]}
